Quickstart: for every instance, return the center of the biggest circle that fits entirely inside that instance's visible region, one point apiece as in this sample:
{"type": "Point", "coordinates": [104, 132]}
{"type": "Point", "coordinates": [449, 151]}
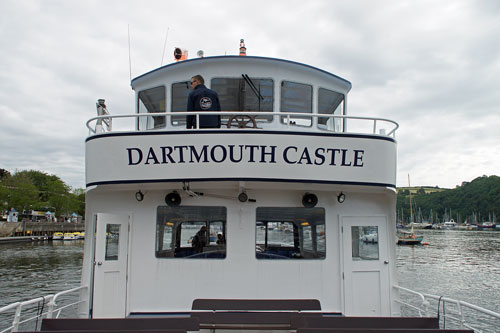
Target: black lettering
{"type": "Point", "coordinates": [285, 154]}
{"type": "Point", "coordinates": [332, 155]}
{"type": "Point", "coordinates": [263, 154]}
{"type": "Point", "coordinates": [344, 153]}
{"type": "Point", "coordinates": [224, 154]}
{"type": "Point", "coordinates": [152, 156]}
{"type": "Point", "coordinates": [358, 157]}
{"type": "Point", "coordinates": [166, 154]}
{"type": "Point", "coordinates": [305, 156]}
{"type": "Point", "coordinates": [181, 152]}
{"type": "Point", "coordinates": [203, 154]}
{"type": "Point", "coordinates": [252, 149]}
{"type": "Point", "coordinates": [130, 157]}
{"type": "Point", "coordinates": [231, 154]}
{"type": "Point", "coordinates": [320, 158]}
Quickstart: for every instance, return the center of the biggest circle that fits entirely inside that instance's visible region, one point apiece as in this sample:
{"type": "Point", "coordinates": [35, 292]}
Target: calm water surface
{"type": "Point", "coordinates": [457, 264]}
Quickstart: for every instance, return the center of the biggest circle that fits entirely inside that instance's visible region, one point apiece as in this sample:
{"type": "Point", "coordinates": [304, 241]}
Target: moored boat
{"type": "Point", "coordinates": [58, 236]}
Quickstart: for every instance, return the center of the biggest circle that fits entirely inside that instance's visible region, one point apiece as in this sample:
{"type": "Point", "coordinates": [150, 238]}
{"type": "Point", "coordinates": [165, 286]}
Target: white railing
{"type": "Point", "coordinates": [454, 313]}
{"type": "Point", "coordinates": [377, 126]}
{"type": "Point", "coordinates": [49, 301]}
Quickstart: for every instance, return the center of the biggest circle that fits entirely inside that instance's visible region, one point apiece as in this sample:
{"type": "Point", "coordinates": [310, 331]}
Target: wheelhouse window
{"type": "Point", "coordinates": [290, 233]}
{"type": "Point", "coordinates": [296, 97]}
{"type": "Point", "coordinates": [330, 102]}
{"type": "Point", "coordinates": [152, 101]}
{"type": "Point", "coordinates": [180, 93]}
{"type": "Point", "coordinates": [191, 232]}
{"type": "Point", "coordinates": [245, 94]}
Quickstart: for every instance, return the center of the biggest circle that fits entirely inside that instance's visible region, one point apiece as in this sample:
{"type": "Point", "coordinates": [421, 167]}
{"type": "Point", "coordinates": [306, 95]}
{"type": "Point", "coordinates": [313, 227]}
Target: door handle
{"type": "Point", "coordinates": [99, 263]}
{"type": "Point", "coordinates": [386, 262]}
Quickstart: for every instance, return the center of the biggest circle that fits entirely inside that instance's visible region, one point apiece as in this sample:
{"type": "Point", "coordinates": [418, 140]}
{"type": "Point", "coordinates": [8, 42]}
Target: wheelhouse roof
{"type": "Point", "coordinates": [235, 59]}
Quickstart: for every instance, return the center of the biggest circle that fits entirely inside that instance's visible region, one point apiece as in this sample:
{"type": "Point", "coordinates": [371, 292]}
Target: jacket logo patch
{"type": "Point", "coordinates": [205, 103]}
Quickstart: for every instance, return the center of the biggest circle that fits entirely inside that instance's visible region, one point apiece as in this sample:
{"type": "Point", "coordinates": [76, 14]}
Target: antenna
{"type": "Point", "coordinates": [164, 46]}
{"type": "Point", "coordinates": [129, 57]}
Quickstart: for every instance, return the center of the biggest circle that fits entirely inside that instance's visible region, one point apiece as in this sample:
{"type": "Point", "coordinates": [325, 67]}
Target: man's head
{"type": "Point", "coordinates": [197, 80]}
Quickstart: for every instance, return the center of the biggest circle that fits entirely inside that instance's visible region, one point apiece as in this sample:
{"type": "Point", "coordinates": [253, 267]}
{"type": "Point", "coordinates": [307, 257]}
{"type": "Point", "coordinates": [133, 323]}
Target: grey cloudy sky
{"type": "Point", "coordinates": [432, 66]}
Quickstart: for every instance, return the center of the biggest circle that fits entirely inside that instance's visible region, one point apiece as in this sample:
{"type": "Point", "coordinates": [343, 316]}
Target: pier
{"type": "Point", "coordinates": [27, 230]}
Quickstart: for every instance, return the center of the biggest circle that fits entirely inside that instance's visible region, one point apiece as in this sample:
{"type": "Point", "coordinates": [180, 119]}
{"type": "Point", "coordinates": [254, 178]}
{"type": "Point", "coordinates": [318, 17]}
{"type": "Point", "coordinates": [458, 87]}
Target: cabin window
{"type": "Point", "coordinates": [290, 233]}
{"type": "Point", "coordinates": [191, 232]}
{"type": "Point", "coordinates": [112, 241]}
{"type": "Point", "coordinates": [330, 102]}
{"type": "Point", "coordinates": [245, 94]}
{"type": "Point", "coordinates": [364, 242]}
{"type": "Point", "coordinates": [152, 101]}
{"type": "Point", "coordinates": [180, 93]}
{"type": "Point", "coordinates": [297, 98]}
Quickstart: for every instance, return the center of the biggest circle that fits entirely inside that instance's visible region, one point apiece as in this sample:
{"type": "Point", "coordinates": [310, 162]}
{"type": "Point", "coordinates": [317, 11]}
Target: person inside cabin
{"type": "Point", "coordinates": [202, 99]}
{"type": "Point", "coordinates": [200, 240]}
{"type": "Point", "coordinates": [220, 239]}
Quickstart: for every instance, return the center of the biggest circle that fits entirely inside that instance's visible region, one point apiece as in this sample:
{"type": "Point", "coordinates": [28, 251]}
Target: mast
{"type": "Point", "coordinates": [411, 206]}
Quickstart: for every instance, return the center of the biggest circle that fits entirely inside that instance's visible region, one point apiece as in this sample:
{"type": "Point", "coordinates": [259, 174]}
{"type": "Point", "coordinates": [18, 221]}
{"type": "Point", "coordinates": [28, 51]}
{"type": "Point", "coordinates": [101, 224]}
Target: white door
{"type": "Point", "coordinates": [110, 266]}
{"type": "Point", "coordinates": [366, 269]}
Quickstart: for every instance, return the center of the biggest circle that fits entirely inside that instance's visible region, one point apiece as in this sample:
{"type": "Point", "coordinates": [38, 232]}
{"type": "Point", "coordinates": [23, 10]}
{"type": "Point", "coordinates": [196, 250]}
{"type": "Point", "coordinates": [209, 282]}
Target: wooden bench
{"type": "Point", "coordinates": [331, 322]}
{"type": "Point", "coordinates": [251, 313]}
{"type": "Point", "coordinates": [380, 330]}
{"type": "Point", "coordinates": [170, 324]}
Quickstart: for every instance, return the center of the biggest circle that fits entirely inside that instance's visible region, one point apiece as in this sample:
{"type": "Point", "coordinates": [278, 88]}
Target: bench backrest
{"type": "Point", "coordinates": [363, 322]}
{"type": "Point", "coordinates": [257, 304]}
{"type": "Point", "coordinates": [121, 324]}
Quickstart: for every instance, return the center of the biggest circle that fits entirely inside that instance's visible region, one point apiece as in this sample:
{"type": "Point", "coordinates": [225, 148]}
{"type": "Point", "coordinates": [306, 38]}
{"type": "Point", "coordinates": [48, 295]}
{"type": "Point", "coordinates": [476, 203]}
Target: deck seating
{"type": "Point", "coordinates": [380, 330]}
{"type": "Point", "coordinates": [170, 325]}
{"type": "Point", "coordinates": [251, 313]}
{"type": "Point", "coordinates": [364, 322]}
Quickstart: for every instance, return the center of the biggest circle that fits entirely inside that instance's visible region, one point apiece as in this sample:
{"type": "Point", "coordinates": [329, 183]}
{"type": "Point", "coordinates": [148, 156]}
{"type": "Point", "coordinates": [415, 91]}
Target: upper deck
{"type": "Point", "coordinates": [281, 121]}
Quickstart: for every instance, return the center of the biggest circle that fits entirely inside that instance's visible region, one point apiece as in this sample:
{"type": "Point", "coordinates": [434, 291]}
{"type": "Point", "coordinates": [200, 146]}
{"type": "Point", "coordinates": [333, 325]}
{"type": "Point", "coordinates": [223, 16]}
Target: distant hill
{"type": "Point", "coordinates": [475, 201]}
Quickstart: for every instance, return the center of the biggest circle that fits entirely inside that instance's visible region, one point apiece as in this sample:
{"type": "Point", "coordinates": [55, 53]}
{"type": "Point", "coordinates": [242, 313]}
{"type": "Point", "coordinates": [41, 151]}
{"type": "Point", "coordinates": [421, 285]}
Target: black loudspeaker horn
{"type": "Point", "coordinates": [309, 200]}
{"type": "Point", "coordinates": [173, 199]}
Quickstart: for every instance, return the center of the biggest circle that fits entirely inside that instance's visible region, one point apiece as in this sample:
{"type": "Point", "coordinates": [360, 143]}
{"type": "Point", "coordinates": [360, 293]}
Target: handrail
{"type": "Point", "coordinates": [424, 298]}
{"type": "Point", "coordinates": [49, 299]}
{"type": "Point", "coordinates": [97, 127]}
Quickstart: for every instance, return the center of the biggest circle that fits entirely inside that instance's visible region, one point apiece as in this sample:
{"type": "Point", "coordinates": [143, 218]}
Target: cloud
{"type": "Point", "coordinates": [431, 66]}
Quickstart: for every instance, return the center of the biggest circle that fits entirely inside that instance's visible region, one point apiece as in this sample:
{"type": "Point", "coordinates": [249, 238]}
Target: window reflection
{"type": "Point", "coordinates": [290, 233]}
{"type": "Point", "coordinates": [330, 102]}
{"type": "Point", "coordinates": [152, 101]}
{"type": "Point", "coordinates": [296, 97]}
{"type": "Point", "coordinates": [191, 232]}
{"type": "Point", "coordinates": [112, 241]}
{"type": "Point", "coordinates": [365, 242]}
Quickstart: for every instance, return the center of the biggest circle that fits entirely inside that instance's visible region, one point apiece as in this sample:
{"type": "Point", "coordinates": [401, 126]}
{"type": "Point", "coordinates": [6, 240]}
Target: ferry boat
{"type": "Point", "coordinates": [256, 225]}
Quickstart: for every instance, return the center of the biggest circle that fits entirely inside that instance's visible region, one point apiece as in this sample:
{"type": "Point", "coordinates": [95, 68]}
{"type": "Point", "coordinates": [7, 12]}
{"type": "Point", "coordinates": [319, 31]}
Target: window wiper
{"type": "Point", "coordinates": [249, 81]}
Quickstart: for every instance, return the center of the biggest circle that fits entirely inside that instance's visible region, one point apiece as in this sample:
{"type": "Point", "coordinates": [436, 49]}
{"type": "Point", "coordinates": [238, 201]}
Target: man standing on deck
{"type": "Point", "coordinates": [202, 99]}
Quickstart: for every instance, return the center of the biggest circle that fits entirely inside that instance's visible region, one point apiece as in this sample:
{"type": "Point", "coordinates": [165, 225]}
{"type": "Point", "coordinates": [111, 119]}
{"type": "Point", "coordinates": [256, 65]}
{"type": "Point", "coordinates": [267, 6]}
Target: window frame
{"type": "Point", "coordinates": [293, 120]}
{"type": "Point", "coordinates": [269, 251]}
{"type": "Point", "coordinates": [144, 124]}
{"type": "Point", "coordinates": [176, 220]}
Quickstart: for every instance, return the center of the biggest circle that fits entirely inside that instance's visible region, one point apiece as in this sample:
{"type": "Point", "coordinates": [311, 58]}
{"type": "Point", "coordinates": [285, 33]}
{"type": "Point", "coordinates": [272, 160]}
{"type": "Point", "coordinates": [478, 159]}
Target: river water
{"type": "Point", "coordinates": [459, 264]}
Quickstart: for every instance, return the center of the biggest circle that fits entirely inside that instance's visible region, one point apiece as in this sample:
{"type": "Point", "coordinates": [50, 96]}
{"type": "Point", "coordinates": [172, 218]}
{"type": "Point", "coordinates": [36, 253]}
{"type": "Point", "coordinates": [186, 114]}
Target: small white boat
{"type": "Point", "coordinates": [57, 236]}
{"type": "Point", "coordinates": [449, 224]}
{"type": "Point", "coordinates": [70, 236]}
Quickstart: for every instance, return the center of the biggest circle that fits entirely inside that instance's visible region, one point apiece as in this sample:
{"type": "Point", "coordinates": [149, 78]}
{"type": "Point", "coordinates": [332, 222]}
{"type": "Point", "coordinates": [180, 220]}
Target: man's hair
{"type": "Point", "coordinates": [199, 78]}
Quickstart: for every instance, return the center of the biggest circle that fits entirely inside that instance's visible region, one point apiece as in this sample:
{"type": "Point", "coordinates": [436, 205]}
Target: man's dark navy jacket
{"type": "Point", "coordinates": [203, 99]}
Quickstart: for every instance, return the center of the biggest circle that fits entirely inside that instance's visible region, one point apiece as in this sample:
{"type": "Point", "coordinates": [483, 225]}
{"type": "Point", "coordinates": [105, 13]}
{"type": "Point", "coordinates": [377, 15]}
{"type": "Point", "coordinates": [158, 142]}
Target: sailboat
{"type": "Point", "coordinates": [409, 237]}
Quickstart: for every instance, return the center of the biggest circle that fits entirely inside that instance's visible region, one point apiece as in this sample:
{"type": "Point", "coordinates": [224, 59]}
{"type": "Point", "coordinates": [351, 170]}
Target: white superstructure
{"type": "Point", "coordinates": [274, 192]}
